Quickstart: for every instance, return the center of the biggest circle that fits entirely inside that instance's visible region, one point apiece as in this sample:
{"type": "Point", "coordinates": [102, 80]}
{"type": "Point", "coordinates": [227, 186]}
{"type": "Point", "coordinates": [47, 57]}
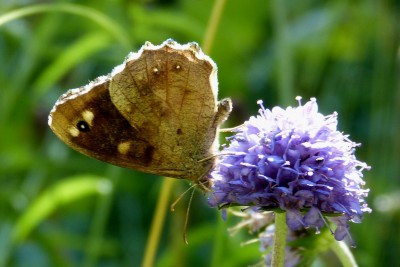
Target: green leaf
{"type": "Point", "coordinates": [107, 23]}
{"type": "Point", "coordinates": [69, 190]}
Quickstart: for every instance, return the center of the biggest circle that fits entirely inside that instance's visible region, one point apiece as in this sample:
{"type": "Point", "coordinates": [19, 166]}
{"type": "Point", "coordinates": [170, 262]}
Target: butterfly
{"type": "Point", "coordinates": [157, 112]}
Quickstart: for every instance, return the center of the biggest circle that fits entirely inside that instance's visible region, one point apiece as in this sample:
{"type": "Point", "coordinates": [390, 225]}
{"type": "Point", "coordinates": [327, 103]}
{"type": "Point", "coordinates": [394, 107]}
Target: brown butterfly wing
{"type": "Point", "coordinates": [87, 120]}
{"type": "Point", "coordinates": [168, 95]}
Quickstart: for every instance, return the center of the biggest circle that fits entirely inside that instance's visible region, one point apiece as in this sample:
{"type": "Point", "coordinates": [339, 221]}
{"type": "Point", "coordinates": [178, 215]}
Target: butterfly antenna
{"type": "Point", "coordinates": [187, 216]}
{"type": "Point", "coordinates": [172, 208]}
{"type": "Point", "coordinates": [203, 185]}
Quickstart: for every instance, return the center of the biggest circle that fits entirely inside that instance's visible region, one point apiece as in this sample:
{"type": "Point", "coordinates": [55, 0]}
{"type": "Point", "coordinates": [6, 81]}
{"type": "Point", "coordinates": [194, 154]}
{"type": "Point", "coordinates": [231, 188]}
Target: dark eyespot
{"type": "Point", "coordinates": [319, 160]}
{"type": "Point", "coordinates": [83, 126]}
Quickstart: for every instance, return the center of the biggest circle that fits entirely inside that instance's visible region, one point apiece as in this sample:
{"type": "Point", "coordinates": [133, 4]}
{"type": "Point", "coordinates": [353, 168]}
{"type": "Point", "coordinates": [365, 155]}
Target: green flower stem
{"type": "Point", "coordinates": [344, 254]}
{"type": "Point", "coordinates": [157, 223]}
{"type": "Point", "coordinates": [278, 251]}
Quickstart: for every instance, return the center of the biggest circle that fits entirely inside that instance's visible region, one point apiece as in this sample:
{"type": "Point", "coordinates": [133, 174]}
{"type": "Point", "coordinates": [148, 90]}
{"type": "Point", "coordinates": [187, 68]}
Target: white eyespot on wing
{"type": "Point", "coordinates": [88, 116]}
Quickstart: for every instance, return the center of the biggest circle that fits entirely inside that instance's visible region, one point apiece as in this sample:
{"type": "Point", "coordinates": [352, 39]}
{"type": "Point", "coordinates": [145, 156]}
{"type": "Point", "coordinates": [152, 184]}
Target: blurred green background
{"type": "Point", "coordinates": [59, 208]}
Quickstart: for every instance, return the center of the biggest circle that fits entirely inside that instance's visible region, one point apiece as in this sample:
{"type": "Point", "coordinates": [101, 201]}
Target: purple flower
{"type": "Point", "coordinates": [293, 160]}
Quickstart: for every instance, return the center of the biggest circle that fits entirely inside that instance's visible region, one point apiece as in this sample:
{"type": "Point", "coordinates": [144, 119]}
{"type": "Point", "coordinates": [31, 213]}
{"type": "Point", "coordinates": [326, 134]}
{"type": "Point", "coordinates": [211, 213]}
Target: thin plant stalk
{"type": "Point", "coordinates": [213, 25]}
{"type": "Point", "coordinates": [166, 189]}
{"type": "Point", "coordinates": [278, 250]}
{"type": "Point", "coordinates": [157, 223]}
{"type": "Point", "coordinates": [284, 58]}
{"type": "Point", "coordinates": [344, 254]}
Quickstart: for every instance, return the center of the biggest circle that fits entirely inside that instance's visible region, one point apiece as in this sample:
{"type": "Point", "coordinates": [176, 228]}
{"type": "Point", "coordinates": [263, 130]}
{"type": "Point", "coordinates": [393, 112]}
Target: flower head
{"type": "Point", "coordinates": [294, 160]}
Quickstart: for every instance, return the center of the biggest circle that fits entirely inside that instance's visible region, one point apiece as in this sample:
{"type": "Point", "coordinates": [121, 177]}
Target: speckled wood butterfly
{"type": "Point", "coordinates": [157, 113]}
